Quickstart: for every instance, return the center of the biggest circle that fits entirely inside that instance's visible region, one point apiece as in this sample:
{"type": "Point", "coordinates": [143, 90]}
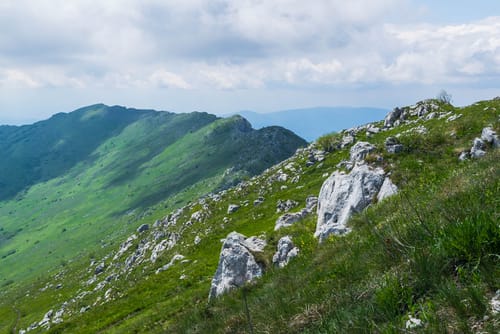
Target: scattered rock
{"type": "Point", "coordinates": [347, 140]}
{"type": "Point", "coordinates": [432, 115]}
{"type": "Point", "coordinates": [143, 228]}
{"type": "Point", "coordinates": [174, 259]}
{"type": "Point", "coordinates": [125, 246]}
{"type": "Point", "coordinates": [237, 265]}
{"type": "Point", "coordinates": [100, 268]}
{"type": "Point", "coordinates": [258, 201]}
{"type": "Point", "coordinates": [360, 150]}
{"type": "Point", "coordinates": [232, 208]}
{"type": "Point", "coordinates": [288, 219]}
{"type": "Point", "coordinates": [342, 194]}
{"type": "Point", "coordinates": [159, 248]}
{"type": "Point", "coordinates": [45, 322]}
{"type": "Point", "coordinates": [285, 206]}
{"type": "Point", "coordinates": [285, 251]}
{"type": "Point", "coordinates": [197, 240]}
{"type": "Point", "coordinates": [84, 309]}
{"type": "Point", "coordinates": [453, 117]}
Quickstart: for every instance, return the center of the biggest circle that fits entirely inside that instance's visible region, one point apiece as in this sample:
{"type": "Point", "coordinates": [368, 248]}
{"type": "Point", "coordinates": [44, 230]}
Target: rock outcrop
{"type": "Point", "coordinates": [360, 150]}
{"type": "Point", "coordinates": [344, 194]}
{"type": "Point", "coordinates": [490, 136]}
{"type": "Point", "coordinates": [285, 251]}
{"type": "Point", "coordinates": [237, 264]}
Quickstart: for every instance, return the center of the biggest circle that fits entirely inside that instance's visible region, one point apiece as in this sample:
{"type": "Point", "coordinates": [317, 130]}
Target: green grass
{"type": "Point", "coordinates": [153, 165]}
{"type": "Point", "coordinates": [431, 252]}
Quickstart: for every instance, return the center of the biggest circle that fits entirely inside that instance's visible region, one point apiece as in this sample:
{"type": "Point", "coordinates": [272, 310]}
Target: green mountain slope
{"type": "Point", "coordinates": [429, 253]}
{"type": "Point", "coordinates": [119, 175]}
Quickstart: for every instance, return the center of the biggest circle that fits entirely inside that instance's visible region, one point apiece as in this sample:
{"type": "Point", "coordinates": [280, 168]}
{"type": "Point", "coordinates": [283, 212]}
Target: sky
{"type": "Point", "coordinates": [223, 56]}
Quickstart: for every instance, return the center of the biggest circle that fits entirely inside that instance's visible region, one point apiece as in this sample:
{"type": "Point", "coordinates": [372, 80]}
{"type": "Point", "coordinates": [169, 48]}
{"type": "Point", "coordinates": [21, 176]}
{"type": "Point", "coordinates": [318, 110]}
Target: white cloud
{"type": "Point", "coordinates": [237, 44]}
{"type": "Point", "coordinates": [168, 79]}
{"type": "Point", "coordinates": [17, 78]}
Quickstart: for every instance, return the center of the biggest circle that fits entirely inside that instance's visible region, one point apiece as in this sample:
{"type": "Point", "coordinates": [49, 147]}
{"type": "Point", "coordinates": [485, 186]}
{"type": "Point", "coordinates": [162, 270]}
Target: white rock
{"type": "Point", "coordinates": [463, 156]}
{"type": "Point", "coordinates": [490, 136]}
{"type": "Point", "coordinates": [495, 303]}
{"type": "Point", "coordinates": [360, 150]}
{"type": "Point", "coordinates": [174, 259]}
{"type": "Point", "coordinates": [232, 208]}
{"type": "Point", "coordinates": [45, 322]}
{"type": "Point", "coordinates": [388, 189]}
{"type": "Point", "coordinates": [237, 264]}
{"type": "Point", "coordinates": [288, 219]}
{"type": "Point", "coordinates": [344, 194]}
{"type": "Point", "coordinates": [412, 323]}
{"type": "Point", "coordinates": [285, 251]}
{"type": "Point", "coordinates": [477, 150]}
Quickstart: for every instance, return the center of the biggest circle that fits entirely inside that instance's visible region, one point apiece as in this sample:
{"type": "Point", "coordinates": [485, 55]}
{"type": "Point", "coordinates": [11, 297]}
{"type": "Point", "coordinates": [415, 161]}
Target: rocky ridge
{"type": "Point", "coordinates": [355, 184]}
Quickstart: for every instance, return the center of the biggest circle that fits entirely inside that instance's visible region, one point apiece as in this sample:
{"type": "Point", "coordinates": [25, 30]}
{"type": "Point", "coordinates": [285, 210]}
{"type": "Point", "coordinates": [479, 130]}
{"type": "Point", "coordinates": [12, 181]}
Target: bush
{"type": "Point", "coordinates": [329, 142]}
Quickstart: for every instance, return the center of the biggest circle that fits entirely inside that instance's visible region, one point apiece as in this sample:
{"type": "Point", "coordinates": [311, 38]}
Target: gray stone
{"type": "Point", "coordinates": [45, 322]}
{"type": "Point", "coordinates": [490, 136]}
{"type": "Point", "coordinates": [360, 150]}
{"type": "Point", "coordinates": [347, 140]}
{"type": "Point", "coordinates": [342, 194]}
{"type": "Point", "coordinates": [285, 251]}
{"type": "Point", "coordinates": [392, 117]}
{"type": "Point", "coordinates": [143, 228]}
{"type": "Point", "coordinates": [288, 219]}
{"type": "Point", "coordinates": [464, 156]}
{"type": "Point", "coordinates": [232, 208]}
{"type": "Point", "coordinates": [125, 246]}
{"type": "Point", "coordinates": [388, 189]}
{"type": "Point", "coordinates": [477, 150]}
{"type": "Point", "coordinates": [237, 265]}
{"type": "Point", "coordinates": [258, 201]}
{"type": "Point", "coordinates": [285, 206]}
{"type": "Point", "coordinates": [495, 303]}
{"type": "Point", "coordinates": [175, 258]}
{"type": "Point", "coordinates": [311, 202]}
{"type": "Point", "coordinates": [100, 268]}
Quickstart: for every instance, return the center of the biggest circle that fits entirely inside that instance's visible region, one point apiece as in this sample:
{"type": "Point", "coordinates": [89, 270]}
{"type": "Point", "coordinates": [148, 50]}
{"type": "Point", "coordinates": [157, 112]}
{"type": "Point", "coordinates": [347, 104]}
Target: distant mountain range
{"type": "Point", "coordinates": [310, 123]}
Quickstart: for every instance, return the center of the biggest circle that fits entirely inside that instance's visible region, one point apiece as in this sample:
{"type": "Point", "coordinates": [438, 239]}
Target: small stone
{"type": "Point", "coordinates": [143, 228]}
{"type": "Point", "coordinates": [232, 208]}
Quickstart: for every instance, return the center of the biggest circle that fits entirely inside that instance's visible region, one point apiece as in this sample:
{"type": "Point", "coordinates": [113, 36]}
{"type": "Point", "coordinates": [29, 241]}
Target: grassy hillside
{"type": "Point", "coordinates": [155, 163]}
{"type": "Point", "coordinates": [431, 252]}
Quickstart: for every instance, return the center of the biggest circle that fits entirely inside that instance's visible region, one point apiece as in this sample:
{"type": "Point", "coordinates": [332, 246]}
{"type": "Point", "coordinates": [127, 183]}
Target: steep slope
{"type": "Point", "coordinates": [310, 123]}
{"type": "Point", "coordinates": [47, 149]}
{"type": "Point", "coordinates": [159, 161]}
{"type": "Point", "coordinates": [423, 260]}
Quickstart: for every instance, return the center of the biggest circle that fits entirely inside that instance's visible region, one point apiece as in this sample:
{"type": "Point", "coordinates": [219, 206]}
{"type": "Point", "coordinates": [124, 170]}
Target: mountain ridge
{"type": "Point", "coordinates": [417, 261]}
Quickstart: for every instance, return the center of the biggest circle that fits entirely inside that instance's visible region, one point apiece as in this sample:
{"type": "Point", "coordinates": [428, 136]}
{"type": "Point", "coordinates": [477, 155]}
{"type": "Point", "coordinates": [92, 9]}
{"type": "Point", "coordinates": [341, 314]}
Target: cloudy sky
{"type": "Point", "coordinates": [222, 56]}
